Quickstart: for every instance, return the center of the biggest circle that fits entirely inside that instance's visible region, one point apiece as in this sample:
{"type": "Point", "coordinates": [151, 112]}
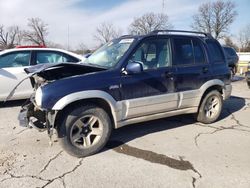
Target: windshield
{"type": "Point", "coordinates": [109, 55]}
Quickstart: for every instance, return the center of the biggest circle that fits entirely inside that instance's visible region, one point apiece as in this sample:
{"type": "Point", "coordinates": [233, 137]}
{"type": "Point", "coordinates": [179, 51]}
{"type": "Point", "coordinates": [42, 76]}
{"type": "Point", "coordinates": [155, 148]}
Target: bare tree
{"type": "Point", "coordinates": [149, 22]}
{"type": "Point", "coordinates": [9, 37]}
{"type": "Point", "coordinates": [244, 38]}
{"type": "Point", "coordinates": [82, 49]}
{"type": "Point", "coordinates": [106, 32]}
{"type": "Point", "coordinates": [37, 33]}
{"type": "Point", "coordinates": [215, 17]}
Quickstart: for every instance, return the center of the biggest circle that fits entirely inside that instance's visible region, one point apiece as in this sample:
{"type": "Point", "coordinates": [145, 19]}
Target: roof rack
{"type": "Point", "coordinates": [32, 46]}
{"type": "Point", "coordinates": [181, 31]}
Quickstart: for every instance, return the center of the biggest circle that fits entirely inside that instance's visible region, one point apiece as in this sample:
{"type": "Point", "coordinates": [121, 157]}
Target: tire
{"type": "Point", "coordinates": [85, 130]}
{"type": "Point", "coordinates": [210, 107]}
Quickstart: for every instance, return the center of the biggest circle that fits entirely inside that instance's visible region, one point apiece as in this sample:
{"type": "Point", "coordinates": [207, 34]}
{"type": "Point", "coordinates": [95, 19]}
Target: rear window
{"type": "Point", "coordinates": [215, 52]}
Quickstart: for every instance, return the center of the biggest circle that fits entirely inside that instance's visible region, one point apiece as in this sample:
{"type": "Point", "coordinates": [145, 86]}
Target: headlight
{"type": "Point", "coordinates": [39, 96]}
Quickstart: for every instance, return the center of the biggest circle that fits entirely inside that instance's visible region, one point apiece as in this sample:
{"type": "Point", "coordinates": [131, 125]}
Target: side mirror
{"type": "Point", "coordinates": [133, 67]}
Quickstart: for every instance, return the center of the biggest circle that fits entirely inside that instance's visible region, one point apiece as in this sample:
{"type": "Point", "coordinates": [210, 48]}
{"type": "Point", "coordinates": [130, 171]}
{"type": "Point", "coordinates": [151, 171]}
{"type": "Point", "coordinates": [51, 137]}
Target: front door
{"type": "Point", "coordinates": [150, 91]}
{"type": "Point", "coordinates": [12, 72]}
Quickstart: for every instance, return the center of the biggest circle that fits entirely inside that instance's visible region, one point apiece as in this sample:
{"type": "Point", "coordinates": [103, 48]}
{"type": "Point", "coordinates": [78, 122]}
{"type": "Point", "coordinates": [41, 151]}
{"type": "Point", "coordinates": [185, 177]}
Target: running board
{"type": "Point", "coordinates": [156, 116]}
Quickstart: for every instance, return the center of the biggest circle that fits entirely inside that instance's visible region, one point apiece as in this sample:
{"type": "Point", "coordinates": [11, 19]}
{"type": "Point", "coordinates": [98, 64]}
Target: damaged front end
{"type": "Point", "coordinates": [32, 113]}
{"type": "Point", "coordinates": [32, 116]}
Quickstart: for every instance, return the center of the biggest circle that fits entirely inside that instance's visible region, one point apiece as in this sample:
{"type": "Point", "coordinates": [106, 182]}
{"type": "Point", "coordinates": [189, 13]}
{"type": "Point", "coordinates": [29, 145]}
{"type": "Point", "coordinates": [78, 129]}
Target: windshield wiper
{"type": "Point", "coordinates": [96, 65]}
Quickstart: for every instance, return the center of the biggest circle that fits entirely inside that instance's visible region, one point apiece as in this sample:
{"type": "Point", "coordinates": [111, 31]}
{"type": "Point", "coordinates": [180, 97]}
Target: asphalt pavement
{"type": "Point", "coordinates": [175, 152]}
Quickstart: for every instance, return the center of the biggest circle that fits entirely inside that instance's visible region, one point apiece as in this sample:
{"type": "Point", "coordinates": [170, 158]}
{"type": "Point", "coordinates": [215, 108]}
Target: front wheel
{"type": "Point", "coordinates": [210, 107]}
{"type": "Point", "coordinates": [85, 130]}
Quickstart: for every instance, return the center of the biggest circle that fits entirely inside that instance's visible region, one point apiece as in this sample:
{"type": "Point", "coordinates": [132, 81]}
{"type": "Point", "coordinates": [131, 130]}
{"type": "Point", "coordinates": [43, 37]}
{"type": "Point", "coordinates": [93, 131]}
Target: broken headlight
{"type": "Point", "coordinates": [39, 96]}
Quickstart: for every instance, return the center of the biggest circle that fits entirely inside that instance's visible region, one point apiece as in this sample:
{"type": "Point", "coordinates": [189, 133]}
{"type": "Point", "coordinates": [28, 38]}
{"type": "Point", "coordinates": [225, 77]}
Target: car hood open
{"type": "Point", "coordinates": [55, 71]}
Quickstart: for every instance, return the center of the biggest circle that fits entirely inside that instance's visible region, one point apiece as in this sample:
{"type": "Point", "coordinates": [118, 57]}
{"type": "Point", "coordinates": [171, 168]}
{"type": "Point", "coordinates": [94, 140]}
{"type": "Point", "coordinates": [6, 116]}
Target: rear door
{"type": "Point", "coordinates": [12, 66]}
{"type": "Point", "coordinates": [192, 69]}
{"type": "Point", "coordinates": [150, 91]}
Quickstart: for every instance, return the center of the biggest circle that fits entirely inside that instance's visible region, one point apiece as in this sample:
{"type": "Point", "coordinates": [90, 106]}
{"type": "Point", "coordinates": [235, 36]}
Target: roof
{"type": "Point", "coordinates": [43, 49]}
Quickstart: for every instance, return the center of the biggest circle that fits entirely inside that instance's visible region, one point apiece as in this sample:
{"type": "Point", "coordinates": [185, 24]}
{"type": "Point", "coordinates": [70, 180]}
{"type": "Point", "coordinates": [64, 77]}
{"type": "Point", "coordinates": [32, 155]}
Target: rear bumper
{"type": "Point", "coordinates": [227, 91]}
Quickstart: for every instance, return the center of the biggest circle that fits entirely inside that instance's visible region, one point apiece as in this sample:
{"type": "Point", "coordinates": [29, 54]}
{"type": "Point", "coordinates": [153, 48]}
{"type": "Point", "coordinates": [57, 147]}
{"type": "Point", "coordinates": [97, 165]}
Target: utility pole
{"type": "Point", "coordinates": [68, 38]}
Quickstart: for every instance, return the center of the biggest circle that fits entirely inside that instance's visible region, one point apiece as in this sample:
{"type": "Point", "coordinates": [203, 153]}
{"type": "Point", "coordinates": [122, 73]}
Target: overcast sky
{"type": "Point", "coordinates": [83, 16]}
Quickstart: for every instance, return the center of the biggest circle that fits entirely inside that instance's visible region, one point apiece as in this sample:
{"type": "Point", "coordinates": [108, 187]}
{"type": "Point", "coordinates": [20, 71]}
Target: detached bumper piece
{"type": "Point", "coordinates": [29, 117]}
{"type": "Point", "coordinates": [23, 118]}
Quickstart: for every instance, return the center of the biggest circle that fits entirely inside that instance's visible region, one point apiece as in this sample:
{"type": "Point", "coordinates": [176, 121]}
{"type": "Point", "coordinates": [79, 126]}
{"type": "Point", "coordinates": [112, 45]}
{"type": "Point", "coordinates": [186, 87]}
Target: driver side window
{"type": "Point", "coordinates": [153, 54]}
{"type": "Point", "coordinates": [15, 59]}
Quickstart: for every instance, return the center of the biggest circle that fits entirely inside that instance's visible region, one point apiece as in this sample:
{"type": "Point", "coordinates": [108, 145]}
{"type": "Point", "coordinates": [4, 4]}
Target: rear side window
{"type": "Point", "coordinates": [215, 52]}
{"type": "Point", "coordinates": [183, 51]}
{"type": "Point", "coordinates": [198, 52]}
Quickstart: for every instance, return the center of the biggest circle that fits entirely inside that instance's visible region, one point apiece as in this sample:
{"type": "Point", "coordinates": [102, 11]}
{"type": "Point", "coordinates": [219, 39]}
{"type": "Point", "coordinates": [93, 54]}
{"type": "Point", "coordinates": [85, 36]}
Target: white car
{"type": "Point", "coordinates": [13, 62]}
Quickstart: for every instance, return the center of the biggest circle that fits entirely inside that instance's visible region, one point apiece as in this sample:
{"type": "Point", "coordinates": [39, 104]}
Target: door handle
{"type": "Point", "coordinates": [168, 74]}
{"type": "Point", "coordinates": [204, 69]}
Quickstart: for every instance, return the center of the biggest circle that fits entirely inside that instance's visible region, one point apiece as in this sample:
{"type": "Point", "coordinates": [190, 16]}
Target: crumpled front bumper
{"type": "Point", "coordinates": [30, 117]}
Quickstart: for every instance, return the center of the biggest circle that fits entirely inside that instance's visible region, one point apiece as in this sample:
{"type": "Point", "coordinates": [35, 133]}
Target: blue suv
{"type": "Point", "coordinates": [128, 80]}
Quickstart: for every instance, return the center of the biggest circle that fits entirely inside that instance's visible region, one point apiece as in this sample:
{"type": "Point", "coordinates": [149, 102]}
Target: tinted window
{"type": "Point", "coordinates": [183, 51]}
{"type": "Point", "coordinates": [153, 54]}
{"type": "Point", "coordinates": [15, 59]}
{"type": "Point", "coordinates": [198, 52]}
{"type": "Point", "coordinates": [230, 51]}
{"type": "Point", "coordinates": [52, 57]}
{"type": "Point", "coordinates": [215, 52]}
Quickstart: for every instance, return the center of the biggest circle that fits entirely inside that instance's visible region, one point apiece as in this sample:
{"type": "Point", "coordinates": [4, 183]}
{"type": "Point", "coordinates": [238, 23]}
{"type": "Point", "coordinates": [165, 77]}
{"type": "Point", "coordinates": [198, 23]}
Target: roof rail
{"type": "Point", "coordinates": [126, 36]}
{"type": "Point", "coordinates": [181, 31]}
{"type": "Point", "coordinates": [32, 46]}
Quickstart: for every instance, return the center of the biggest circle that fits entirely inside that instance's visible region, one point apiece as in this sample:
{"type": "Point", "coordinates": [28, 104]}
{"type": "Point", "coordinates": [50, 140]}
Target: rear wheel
{"type": "Point", "coordinates": [210, 107]}
{"type": "Point", "coordinates": [85, 130]}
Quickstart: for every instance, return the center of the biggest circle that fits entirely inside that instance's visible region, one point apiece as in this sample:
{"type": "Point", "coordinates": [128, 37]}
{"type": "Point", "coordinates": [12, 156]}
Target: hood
{"type": "Point", "coordinates": [50, 72]}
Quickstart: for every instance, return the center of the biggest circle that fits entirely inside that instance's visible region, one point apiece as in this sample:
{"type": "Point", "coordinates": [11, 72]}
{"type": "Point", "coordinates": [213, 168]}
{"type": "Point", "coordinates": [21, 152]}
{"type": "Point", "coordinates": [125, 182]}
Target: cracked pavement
{"type": "Point", "coordinates": [172, 152]}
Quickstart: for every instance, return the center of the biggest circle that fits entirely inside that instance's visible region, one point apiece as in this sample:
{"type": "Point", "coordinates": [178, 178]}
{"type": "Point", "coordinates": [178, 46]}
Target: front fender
{"type": "Point", "coordinates": [73, 97]}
